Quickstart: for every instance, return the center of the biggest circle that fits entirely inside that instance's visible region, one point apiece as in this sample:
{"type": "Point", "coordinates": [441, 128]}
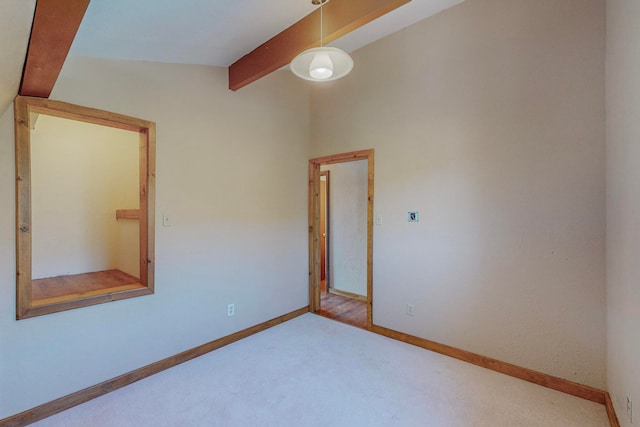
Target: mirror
{"type": "Point", "coordinates": [85, 181]}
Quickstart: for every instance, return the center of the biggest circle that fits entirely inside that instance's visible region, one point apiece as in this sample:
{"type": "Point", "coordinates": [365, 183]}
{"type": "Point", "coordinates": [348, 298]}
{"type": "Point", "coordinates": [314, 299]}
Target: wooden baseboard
{"type": "Point", "coordinates": [611, 412]}
{"type": "Point", "coordinates": [545, 380]}
{"type": "Point", "coordinates": [530, 375]}
{"type": "Point", "coordinates": [347, 294]}
{"type": "Point", "coordinates": [48, 409]}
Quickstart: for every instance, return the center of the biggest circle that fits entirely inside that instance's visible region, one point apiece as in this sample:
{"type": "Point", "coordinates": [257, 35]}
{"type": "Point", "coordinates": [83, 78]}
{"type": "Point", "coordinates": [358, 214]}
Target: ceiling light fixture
{"type": "Point", "coordinates": [324, 63]}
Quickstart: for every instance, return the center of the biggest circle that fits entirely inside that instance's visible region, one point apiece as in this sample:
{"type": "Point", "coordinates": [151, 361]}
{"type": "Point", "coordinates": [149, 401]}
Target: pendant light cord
{"type": "Point", "coordinates": [321, 29]}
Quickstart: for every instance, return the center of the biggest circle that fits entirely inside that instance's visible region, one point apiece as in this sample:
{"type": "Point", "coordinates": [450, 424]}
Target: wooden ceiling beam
{"type": "Point", "coordinates": [55, 24]}
{"type": "Point", "coordinates": [340, 17]}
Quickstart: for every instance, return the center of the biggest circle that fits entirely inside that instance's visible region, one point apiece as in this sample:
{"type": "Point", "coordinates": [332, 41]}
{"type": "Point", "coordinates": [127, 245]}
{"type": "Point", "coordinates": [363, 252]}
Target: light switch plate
{"type": "Point", "coordinates": [412, 216]}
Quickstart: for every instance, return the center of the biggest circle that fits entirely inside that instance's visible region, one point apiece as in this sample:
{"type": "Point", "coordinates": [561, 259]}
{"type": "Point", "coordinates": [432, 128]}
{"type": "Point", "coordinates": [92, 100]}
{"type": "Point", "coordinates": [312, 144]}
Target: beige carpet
{"type": "Point", "coordinates": [312, 371]}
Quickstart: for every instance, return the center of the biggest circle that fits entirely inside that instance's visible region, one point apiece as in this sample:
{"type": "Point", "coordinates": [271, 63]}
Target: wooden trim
{"type": "Point", "coordinates": [340, 18]}
{"type": "Point", "coordinates": [110, 293]}
{"type": "Point", "coordinates": [143, 183]}
{"type": "Point", "coordinates": [24, 107]}
{"type": "Point", "coordinates": [150, 241]}
{"type": "Point", "coordinates": [69, 302]}
{"type": "Point", "coordinates": [55, 24]}
{"type": "Point", "coordinates": [327, 228]}
{"type": "Point", "coordinates": [314, 224]}
{"type": "Point", "coordinates": [23, 208]}
{"type": "Point", "coordinates": [611, 412]}
{"type": "Point", "coordinates": [69, 401]}
{"type": "Point", "coordinates": [66, 110]}
{"type": "Point", "coordinates": [314, 236]}
{"type": "Point", "coordinates": [370, 176]}
{"type": "Point", "coordinates": [346, 294]}
{"type": "Point", "coordinates": [128, 214]}
{"type": "Point", "coordinates": [343, 157]}
{"type": "Point", "coordinates": [545, 380]}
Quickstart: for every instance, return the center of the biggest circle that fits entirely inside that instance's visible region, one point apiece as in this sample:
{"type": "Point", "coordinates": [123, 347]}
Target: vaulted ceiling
{"type": "Point", "coordinates": [212, 32]}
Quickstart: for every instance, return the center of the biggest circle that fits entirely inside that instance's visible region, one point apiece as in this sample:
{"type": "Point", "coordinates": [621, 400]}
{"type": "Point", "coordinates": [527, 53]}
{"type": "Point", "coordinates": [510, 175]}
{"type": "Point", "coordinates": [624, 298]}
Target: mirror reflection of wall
{"type": "Point", "coordinates": [81, 173]}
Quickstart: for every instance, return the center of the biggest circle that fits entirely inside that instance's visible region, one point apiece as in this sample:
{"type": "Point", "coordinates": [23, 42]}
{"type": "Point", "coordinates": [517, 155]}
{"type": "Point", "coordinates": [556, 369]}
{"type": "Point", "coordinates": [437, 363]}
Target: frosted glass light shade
{"type": "Point", "coordinates": [309, 64]}
{"type": "Point", "coordinates": [321, 67]}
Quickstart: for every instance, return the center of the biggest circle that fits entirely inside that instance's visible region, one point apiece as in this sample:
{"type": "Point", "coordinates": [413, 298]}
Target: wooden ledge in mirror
{"type": "Point", "coordinates": [128, 214]}
{"type": "Point", "coordinates": [75, 167]}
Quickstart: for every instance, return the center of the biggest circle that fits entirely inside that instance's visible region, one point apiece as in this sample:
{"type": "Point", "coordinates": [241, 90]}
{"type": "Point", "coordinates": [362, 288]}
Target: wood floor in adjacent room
{"type": "Point", "coordinates": [52, 287]}
{"type": "Point", "coordinates": [343, 309]}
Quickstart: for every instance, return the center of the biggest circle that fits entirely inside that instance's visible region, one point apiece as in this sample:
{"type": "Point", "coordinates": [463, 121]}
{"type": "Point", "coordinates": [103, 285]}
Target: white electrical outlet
{"type": "Point", "coordinates": [231, 309]}
{"type": "Point", "coordinates": [166, 220]}
{"type": "Point", "coordinates": [630, 410]}
{"type": "Point", "coordinates": [411, 310]}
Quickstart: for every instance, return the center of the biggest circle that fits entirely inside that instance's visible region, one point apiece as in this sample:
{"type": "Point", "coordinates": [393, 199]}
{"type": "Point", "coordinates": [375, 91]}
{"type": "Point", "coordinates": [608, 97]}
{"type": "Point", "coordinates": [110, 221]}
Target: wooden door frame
{"type": "Point", "coordinates": [326, 228]}
{"type": "Point", "coordinates": [314, 224]}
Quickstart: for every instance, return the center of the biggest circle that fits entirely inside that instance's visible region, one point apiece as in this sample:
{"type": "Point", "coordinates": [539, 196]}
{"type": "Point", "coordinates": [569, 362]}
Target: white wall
{"type": "Point", "coordinates": [623, 206]}
{"type": "Point", "coordinates": [232, 174]}
{"type": "Point", "coordinates": [81, 174]}
{"type": "Point", "coordinates": [348, 194]}
{"type": "Point", "coordinates": [488, 119]}
{"type": "Point", "coordinates": [16, 17]}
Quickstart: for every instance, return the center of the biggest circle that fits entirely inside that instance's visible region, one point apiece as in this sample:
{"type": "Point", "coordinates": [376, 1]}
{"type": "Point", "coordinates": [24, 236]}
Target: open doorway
{"type": "Point", "coordinates": [341, 234]}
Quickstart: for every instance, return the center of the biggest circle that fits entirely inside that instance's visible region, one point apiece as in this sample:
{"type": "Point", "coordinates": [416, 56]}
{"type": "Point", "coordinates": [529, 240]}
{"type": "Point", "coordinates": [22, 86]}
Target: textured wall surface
{"type": "Point", "coordinates": [231, 172]}
{"type": "Point", "coordinates": [623, 206]}
{"type": "Point", "coordinates": [488, 119]}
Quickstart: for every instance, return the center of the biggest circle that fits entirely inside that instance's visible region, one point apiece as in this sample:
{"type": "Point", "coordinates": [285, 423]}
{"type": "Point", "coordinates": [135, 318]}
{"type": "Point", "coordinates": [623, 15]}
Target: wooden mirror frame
{"type": "Point", "coordinates": [26, 306]}
{"type": "Point", "coordinates": [314, 225]}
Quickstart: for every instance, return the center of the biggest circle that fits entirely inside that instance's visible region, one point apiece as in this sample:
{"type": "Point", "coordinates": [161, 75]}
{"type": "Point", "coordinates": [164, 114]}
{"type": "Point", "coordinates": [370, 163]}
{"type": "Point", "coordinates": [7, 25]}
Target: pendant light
{"type": "Point", "coordinates": [324, 63]}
